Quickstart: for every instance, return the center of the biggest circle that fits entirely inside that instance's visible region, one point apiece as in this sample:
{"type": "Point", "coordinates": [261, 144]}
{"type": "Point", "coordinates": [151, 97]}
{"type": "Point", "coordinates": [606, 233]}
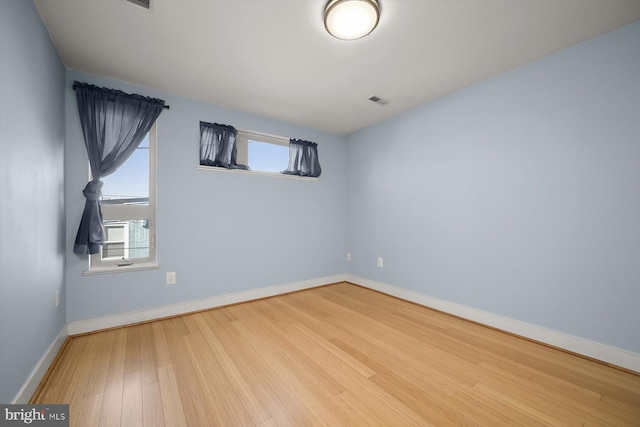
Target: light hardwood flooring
{"type": "Point", "coordinates": [334, 355]}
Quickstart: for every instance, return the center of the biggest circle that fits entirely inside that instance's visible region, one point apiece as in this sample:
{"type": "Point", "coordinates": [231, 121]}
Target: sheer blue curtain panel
{"type": "Point", "coordinates": [113, 124]}
{"type": "Point", "coordinates": [218, 146]}
{"type": "Point", "coordinates": [303, 159]}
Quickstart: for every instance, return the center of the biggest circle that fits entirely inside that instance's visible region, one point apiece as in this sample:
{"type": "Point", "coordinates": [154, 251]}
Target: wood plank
{"type": "Point", "coordinates": [174, 414]}
{"type": "Point", "coordinates": [152, 408]}
{"type": "Point", "coordinates": [235, 398]}
{"type": "Point", "coordinates": [111, 413]}
{"type": "Point", "coordinates": [186, 378]}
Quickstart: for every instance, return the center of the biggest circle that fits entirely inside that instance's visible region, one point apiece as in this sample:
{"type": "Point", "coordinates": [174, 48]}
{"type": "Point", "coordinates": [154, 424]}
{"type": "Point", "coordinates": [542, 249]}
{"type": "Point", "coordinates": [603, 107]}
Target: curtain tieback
{"type": "Point", "coordinates": [93, 190]}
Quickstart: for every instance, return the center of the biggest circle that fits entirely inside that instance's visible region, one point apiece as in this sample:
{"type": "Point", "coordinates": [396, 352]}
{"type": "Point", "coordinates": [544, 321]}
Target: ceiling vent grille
{"type": "Point", "coordinates": [378, 100]}
{"type": "Point", "coordinates": [142, 3]}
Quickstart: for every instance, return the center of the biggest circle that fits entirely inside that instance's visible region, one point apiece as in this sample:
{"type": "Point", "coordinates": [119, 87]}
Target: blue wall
{"type": "Point", "coordinates": [220, 232]}
{"type": "Point", "coordinates": [32, 135]}
{"type": "Point", "coordinates": [519, 195]}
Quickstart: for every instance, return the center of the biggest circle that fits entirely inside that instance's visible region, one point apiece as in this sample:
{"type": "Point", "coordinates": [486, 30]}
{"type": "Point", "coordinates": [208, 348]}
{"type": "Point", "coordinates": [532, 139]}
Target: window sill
{"type": "Point", "coordinates": [125, 269]}
{"type": "Point", "coordinates": [246, 172]}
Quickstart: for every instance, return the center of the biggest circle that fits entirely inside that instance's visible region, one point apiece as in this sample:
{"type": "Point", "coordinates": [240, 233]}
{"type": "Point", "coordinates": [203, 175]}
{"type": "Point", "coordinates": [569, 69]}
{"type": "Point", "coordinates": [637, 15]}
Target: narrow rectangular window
{"type": "Point", "coordinates": [129, 210]}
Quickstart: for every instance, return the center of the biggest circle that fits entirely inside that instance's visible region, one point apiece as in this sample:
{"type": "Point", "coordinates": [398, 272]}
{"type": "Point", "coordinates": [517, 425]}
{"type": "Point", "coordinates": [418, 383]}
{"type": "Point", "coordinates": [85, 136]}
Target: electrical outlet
{"type": "Point", "coordinates": [171, 278]}
{"type": "Point", "coordinates": [58, 297]}
{"type": "Point", "coordinates": [380, 262]}
{"type": "Point", "coordinates": [348, 256]}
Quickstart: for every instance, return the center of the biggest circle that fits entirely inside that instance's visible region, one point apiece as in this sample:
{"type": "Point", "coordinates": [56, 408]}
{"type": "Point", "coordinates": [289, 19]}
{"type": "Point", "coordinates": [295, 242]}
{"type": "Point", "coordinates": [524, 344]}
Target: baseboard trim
{"type": "Point", "coordinates": [602, 352]}
{"type": "Point", "coordinates": [117, 320]}
{"type": "Point", "coordinates": [39, 371]}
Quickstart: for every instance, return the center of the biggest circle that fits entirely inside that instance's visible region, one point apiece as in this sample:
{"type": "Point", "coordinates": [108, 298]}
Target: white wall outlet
{"type": "Point", "coordinates": [58, 297]}
{"type": "Point", "coordinates": [171, 278]}
{"type": "Point", "coordinates": [348, 256]}
{"type": "Point", "coordinates": [380, 262]}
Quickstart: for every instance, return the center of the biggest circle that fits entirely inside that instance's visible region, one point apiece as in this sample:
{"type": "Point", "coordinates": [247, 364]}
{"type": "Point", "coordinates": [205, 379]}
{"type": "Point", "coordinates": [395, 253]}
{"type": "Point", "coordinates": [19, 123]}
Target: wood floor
{"type": "Point", "coordinates": [335, 355]}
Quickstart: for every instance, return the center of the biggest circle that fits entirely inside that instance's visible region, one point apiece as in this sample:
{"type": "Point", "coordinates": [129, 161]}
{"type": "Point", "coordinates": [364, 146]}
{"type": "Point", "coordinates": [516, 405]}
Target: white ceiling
{"type": "Point", "coordinates": [274, 58]}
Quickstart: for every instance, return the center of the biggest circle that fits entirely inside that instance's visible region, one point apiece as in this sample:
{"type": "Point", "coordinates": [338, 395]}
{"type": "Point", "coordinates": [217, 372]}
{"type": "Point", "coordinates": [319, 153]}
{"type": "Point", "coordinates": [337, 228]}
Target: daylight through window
{"type": "Point", "coordinates": [262, 152]}
{"type": "Point", "coordinates": [128, 210]}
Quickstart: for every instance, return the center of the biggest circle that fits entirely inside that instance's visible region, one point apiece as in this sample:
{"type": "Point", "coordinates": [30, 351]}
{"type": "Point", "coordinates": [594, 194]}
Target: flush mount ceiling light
{"type": "Point", "coordinates": [351, 19]}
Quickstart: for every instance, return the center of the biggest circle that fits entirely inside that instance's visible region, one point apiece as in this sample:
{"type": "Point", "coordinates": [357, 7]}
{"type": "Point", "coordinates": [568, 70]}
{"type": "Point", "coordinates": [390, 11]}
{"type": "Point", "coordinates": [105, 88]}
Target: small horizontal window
{"type": "Point", "coordinates": [262, 152]}
{"type": "Point", "coordinates": [223, 147]}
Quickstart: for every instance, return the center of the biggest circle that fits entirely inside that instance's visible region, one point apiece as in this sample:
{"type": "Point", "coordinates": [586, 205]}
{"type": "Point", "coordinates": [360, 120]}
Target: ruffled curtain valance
{"type": "Point", "coordinates": [218, 146]}
{"type": "Point", "coordinates": [303, 159]}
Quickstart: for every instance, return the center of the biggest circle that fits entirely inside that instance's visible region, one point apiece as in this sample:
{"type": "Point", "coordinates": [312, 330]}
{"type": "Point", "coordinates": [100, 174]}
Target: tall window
{"type": "Point", "coordinates": [129, 209]}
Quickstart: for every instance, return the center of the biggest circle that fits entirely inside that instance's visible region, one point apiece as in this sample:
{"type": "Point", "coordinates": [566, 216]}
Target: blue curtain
{"type": "Point", "coordinates": [114, 123]}
{"type": "Point", "coordinates": [303, 158]}
{"type": "Point", "coordinates": [218, 146]}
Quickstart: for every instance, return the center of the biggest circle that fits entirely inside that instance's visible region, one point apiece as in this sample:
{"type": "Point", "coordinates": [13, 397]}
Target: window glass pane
{"type": "Point", "coordinates": [130, 183]}
{"type": "Point", "coordinates": [267, 157]}
{"type": "Point", "coordinates": [138, 238]}
{"type": "Point", "coordinates": [126, 239]}
{"type": "Point", "coordinates": [113, 250]}
{"type": "Point", "coordinates": [114, 233]}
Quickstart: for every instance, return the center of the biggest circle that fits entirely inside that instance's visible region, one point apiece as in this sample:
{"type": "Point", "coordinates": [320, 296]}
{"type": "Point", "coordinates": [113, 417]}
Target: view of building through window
{"type": "Point", "coordinates": [126, 239]}
{"type": "Point", "coordinates": [124, 191]}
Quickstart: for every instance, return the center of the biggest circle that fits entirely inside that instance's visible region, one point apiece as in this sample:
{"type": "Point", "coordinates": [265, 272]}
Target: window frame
{"type": "Point", "coordinates": [242, 144]}
{"type": "Point", "coordinates": [123, 212]}
{"type": "Point", "coordinates": [125, 240]}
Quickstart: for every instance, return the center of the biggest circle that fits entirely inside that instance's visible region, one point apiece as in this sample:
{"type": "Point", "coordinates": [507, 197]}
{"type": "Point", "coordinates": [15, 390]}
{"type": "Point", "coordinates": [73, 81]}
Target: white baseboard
{"type": "Point", "coordinates": [30, 386]}
{"type": "Point", "coordinates": [595, 350]}
{"type": "Point", "coordinates": [106, 322]}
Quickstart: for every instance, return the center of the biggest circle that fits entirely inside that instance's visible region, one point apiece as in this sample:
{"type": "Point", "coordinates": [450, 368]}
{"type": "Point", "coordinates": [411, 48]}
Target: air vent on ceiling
{"type": "Point", "coordinates": [378, 100]}
{"type": "Point", "coordinates": [142, 3]}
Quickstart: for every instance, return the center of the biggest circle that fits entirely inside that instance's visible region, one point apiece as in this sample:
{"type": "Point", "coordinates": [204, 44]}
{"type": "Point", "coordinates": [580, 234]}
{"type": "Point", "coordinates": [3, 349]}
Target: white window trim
{"type": "Point", "coordinates": [109, 270]}
{"type": "Point", "coordinates": [132, 212]}
{"type": "Point", "coordinates": [242, 142]}
{"type": "Point", "coordinates": [125, 234]}
{"type": "Point", "coordinates": [246, 172]}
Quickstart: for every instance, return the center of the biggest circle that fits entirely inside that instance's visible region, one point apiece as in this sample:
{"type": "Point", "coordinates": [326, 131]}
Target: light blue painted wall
{"type": "Point", "coordinates": [32, 134]}
{"type": "Point", "coordinates": [221, 232]}
{"type": "Point", "coordinates": [519, 195]}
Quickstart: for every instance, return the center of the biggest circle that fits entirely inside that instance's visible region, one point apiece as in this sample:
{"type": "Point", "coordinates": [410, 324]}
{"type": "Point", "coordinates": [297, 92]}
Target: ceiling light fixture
{"type": "Point", "coordinates": [351, 19]}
